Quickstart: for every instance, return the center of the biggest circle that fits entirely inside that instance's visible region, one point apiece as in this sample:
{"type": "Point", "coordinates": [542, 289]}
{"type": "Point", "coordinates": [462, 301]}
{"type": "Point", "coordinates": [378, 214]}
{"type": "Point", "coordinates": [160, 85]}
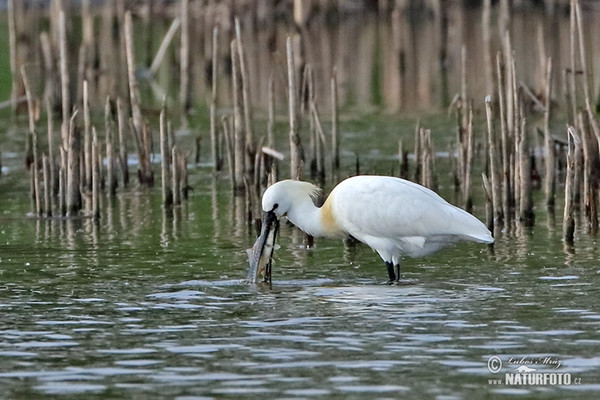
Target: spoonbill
{"type": "Point", "coordinates": [393, 216]}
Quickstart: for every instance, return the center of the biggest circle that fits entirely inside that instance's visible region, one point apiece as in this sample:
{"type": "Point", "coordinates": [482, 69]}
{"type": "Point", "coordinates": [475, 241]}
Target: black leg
{"type": "Point", "coordinates": [398, 273]}
{"type": "Point", "coordinates": [390, 269]}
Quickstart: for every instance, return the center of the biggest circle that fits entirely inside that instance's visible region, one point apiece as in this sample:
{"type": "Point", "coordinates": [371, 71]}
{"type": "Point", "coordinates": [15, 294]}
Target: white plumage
{"type": "Point", "coordinates": [393, 216]}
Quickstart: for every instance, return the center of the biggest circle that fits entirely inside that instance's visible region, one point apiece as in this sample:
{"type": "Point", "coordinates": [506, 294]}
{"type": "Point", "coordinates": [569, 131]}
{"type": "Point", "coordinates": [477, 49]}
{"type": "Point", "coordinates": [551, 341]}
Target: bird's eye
{"type": "Point", "coordinates": [275, 206]}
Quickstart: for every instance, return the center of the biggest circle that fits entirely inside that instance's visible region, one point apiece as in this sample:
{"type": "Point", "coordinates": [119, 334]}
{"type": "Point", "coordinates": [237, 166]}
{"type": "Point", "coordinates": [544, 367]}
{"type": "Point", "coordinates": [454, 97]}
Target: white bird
{"type": "Point", "coordinates": [393, 216]}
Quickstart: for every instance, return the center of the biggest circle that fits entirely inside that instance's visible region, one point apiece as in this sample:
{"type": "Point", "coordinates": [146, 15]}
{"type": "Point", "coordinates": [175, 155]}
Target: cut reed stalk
{"type": "Point", "coordinates": [64, 78]}
{"type": "Point", "coordinates": [134, 95]}
{"type": "Point", "coordinates": [335, 135]}
{"type": "Point", "coordinates": [568, 218]}
{"type": "Point", "coordinates": [238, 128]}
{"type": "Point", "coordinates": [87, 143]}
{"type": "Point", "coordinates": [495, 182]}
{"type": "Point", "coordinates": [550, 162]}
{"type": "Point", "coordinates": [184, 54]}
{"type": "Point", "coordinates": [214, 150]}
{"type": "Point", "coordinates": [245, 85]}
{"type": "Point", "coordinates": [95, 175]}
{"type": "Point", "coordinates": [175, 183]}
{"type": "Point", "coordinates": [73, 173]}
{"type": "Point", "coordinates": [167, 195]}
{"type": "Point", "coordinates": [295, 142]}
{"type": "Point", "coordinates": [111, 178]}
{"type": "Point", "coordinates": [47, 186]}
{"type": "Point", "coordinates": [121, 124]}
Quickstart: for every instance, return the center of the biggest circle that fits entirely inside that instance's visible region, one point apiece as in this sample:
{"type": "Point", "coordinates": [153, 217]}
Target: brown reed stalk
{"type": "Point", "coordinates": [64, 78]}
{"type": "Point", "coordinates": [175, 182]}
{"type": "Point", "coordinates": [95, 161]}
{"type": "Point", "coordinates": [87, 143]}
{"type": "Point", "coordinates": [489, 205]}
{"type": "Point", "coordinates": [123, 162]}
{"type": "Point", "coordinates": [73, 199]}
{"type": "Point", "coordinates": [32, 144]}
{"type": "Point", "coordinates": [335, 135]}
{"type": "Point", "coordinates": [568, 218]}
{"type": "Point", "coordinates": [62, 182]}
{"type": "Point", "coordinates": [184, 55]}
{"type": "Point", "coordinates": [572, 90]}
{"type": "Point", "coordinates": [164, 45]}
{"type": "Point", "coordinates": [239, 147]}
{"type": "Point", "coordinates": [504, 163]}
{"type": "Point", "coordinates": [526, 216]}
{"type": "Point", "coordinates": [214, 149]}
{"type": "Point", "coordinates": [111, 178]}
{"type": "Point", "coordinates": [47, 186]}
{"type": "Point", "coordinates": [50, 133]}
{"type": "Point", "coordinates": [427, 159]}
{"type": "Point", "coordinates": [14, 62]}
{"type": "Point", "coordinates": [183, 176]}
{"type": "Point", "coordinates": [550, 158]}
{"type": "Point", "coordinates": [229, 150]}
{"type": "Point", "coordinates": [134, 95]}
{"type": "Point", "coordinates": [165, 154]}
{"type": "Point", "coordinates": [271, 107]}
{"type": "Point", "coordinates": [494, 163]}
{"type": "Point", "coordinates": [295, 142]}
{"type": "Point", "coordinates": [417, 152]}
{"type": "Point", "coordinates": [466, 180]}
{"type": "Point", "coordinates": [486, 40]}
{"type": "Point", "coordinates": [245, 85]}
{"type": "Point", "coordinates": [320, 143]}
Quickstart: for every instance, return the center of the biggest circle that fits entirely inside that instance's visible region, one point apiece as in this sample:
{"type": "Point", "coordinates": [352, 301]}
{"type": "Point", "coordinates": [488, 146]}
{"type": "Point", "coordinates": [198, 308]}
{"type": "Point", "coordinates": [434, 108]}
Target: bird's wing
{"type": "Point", "coordinates": [395, 208]}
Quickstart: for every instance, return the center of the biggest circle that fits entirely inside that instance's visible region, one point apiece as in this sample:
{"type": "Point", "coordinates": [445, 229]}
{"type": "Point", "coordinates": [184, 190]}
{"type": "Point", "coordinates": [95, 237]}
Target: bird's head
{"type": "Point", "coordinates": [280, 197]}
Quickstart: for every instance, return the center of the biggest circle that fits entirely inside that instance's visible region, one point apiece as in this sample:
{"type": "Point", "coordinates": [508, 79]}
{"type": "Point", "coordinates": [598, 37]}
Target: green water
{"type": "Point", "coordinates": [151, 305]}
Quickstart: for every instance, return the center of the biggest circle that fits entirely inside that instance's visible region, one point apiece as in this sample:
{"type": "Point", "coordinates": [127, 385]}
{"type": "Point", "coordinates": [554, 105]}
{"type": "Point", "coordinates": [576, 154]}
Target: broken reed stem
{"type": "Point", "coordinates": [184, 54]}
{"type": "Point", "coordinates": [12, 42]}
{"type": "Point", "coordinates": [526, 216]}
{"type": "Point", "coordinates": [550, 163]}
{"type": "Point", "coordinates": [167, 194]}
{"type": "Point", "coordinates": [295, 144]}
{"type": "Point", "coordinates": [87, 144]}
{"type": "Point", "coordinates": [489, 207]}
{"type": "Point", "coordinates": [486, 39]}
{"type": "Point", "coordinates": [245, 85]}
{"type": "Point", "coordinates": [568, 219]}
{"type": "Point", "coordinates": [271, 106]}
{"type": "Point", "coordinates": [466, 180]}
{"type": "Point", "coordinates": [175, 176]}
{"type": "Point", "coordinates": [214, 150]}
{"type": "Point", "coordinates": [122, 146]}
{"type": "Point", "coordinates": [111, 180]}
{"type": "Point", "coordinates": [62, 182]}
{"type": "Point", "coordinates": [50, 121]}
{"type": "Point", "coordinates": [229, 151]}
{"type": "Point", "coordinates": [64, 78]}
{"type": "Point", "coordinates": [502, 164]}
{"type": "Point", "coordinates": [47, 186]}
{"type": "Point", "coordinates": [32, 144]}
{"type": "Point", "coordinates": [239, 149]}
{"type": "Point", "coordinates": [133, 85]}
{"type": "Point", "coordinates": [495, 182]}
{"type": "Point", "coordinates": [335, 135]}
{"type": "Point", "coordinates": [417, 152]}
{"type": "Point", "coordinates": [95, 175]}
{"type": "Point", "coordinates": [164, 45]}
{"type": "Point", "coordinates": [426, 158]}
{"type": "Point", "coordinates": [571, 83]}
{"type": "Point", "coordinates": [73, 176]}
